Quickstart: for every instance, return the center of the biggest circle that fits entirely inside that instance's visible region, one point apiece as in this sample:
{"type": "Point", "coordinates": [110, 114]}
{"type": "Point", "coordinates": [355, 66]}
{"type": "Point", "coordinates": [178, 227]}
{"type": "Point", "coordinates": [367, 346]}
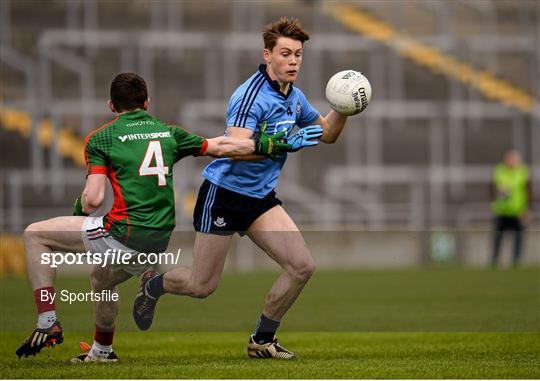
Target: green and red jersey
{"type": "Point", "coordinates": [137, 153]}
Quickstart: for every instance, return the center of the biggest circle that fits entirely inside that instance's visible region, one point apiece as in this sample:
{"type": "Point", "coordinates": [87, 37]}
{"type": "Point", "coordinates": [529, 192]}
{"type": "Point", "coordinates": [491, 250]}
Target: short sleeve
{"type": "Point", "coordinates": [244, 109]}
{"type": "Point", "coordinates": [95, 155]}
{"type": "Point", "coordinates": [308, 114]}
{"type": "Point", "coordinates": [187, 144]}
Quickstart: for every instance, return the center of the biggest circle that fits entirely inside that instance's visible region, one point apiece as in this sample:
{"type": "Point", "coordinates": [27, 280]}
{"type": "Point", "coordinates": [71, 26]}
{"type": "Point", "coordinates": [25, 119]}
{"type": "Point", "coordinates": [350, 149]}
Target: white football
{"type": "Point", "coordinates": [348, 92]}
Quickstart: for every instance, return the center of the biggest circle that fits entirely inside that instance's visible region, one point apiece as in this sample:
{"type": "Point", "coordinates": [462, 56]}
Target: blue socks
{"type": "Point", "coordinates": [154, 287]}
{"type": "Point", "coordinates": [266, 330]}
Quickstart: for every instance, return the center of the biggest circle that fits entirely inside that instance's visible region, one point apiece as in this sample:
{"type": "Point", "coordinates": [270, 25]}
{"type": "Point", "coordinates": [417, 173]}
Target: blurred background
{"type": "Point", "coordinates": [455, 84]}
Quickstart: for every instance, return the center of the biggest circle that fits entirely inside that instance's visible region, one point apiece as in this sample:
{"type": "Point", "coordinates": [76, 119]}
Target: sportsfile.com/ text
{"type": "Point", "coordinates": [109, 257]}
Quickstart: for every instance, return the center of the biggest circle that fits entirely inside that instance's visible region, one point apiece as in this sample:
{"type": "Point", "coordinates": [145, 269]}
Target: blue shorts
{"type": "Point", "coordinates": [224, 212]}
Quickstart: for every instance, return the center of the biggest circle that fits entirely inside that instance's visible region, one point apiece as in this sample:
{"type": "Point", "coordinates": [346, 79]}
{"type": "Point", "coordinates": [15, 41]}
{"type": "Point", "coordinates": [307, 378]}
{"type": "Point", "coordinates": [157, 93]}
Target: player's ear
{"type": "Point", "coordinates": [111, 106]}
{"type": "Point", "coordinates": [145, 104]}
{"type": "Point", "coordinates": [266, 55]}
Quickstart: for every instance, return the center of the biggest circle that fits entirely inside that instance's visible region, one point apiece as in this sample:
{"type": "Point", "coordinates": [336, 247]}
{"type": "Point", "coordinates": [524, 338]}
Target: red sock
{"type": "Point", "coordinates": [43, 298]}
{"type": "Point", "coordinates": [103, 336]}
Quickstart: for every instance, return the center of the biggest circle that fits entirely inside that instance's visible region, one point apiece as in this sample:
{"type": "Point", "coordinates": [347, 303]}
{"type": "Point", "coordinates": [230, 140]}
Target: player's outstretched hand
{"type": "Point", "coordinates": [272, 146]}
{"type": "Point", "coordinates": [305, 137]}
{"type": "Point", "coordinates": [77, 207]}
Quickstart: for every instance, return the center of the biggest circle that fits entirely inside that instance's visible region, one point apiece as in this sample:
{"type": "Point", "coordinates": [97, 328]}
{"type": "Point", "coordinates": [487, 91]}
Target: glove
{"type": "Point", "coordinates": [271, 146]}
{"type": "Point", "coordinates": [77, 207]}
{"type": "Point", "coordinates": [305, 137]}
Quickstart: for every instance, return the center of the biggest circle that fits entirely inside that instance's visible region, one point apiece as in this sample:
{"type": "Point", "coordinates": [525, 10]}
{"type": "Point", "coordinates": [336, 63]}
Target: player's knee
{"type": "Point", "coordinates": [304, 269]}
{"type": "Point", "coordinates": [96, 281]}
{"type": "Point", "coordinates": [33, 230]}
{"type": "Point", "coordinates": [99, 280]}
{"type": "Point", "coordinates": [309, 268]}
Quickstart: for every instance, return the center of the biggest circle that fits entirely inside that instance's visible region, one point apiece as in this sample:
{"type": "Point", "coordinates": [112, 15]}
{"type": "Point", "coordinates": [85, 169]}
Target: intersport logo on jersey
{"type": "Point", "coordinates": [150, 135]}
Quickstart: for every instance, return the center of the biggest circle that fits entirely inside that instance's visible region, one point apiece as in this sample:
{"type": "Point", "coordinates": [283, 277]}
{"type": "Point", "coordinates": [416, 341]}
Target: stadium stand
{"type": "Point", "coordinates": [450, 94]}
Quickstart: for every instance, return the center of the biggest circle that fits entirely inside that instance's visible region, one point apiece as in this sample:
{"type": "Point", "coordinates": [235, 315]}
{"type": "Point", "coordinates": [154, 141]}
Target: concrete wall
{"type": "Point", "coordinates": [373, 249]}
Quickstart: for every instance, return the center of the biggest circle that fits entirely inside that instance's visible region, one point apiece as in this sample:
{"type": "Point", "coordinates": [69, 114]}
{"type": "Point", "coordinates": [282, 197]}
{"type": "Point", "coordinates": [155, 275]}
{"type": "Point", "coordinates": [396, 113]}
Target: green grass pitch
{"type": "Point", "coordinates": [436, 323]}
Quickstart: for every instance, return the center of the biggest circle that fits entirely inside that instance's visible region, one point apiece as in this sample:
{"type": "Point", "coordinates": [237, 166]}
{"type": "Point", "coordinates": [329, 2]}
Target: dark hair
{"type": "Point", "coordinates": [284, 27]}
{"type": "Point", "coordinates": [128, 92]}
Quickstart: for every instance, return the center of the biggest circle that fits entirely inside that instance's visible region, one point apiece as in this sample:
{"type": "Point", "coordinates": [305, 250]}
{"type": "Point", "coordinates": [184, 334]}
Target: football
{"type": "Point", "coordinates": [348, 92]}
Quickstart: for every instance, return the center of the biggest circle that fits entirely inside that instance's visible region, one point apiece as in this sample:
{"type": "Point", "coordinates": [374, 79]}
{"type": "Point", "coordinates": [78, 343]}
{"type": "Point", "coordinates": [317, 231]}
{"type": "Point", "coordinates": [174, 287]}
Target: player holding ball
{"type": "Point", "coordinates": [239, 196]}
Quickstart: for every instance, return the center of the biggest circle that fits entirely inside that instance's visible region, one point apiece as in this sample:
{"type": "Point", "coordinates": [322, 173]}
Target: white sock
{"type": "Point", "coordinates": [100, 351]}
{"type": "Point", "coordinates": [46, 319]}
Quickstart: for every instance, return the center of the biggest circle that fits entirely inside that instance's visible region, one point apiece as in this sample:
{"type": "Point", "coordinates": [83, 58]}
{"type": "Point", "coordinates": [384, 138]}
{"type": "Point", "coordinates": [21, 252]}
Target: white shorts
{"type": "Point", "coordinates": [97, 240]}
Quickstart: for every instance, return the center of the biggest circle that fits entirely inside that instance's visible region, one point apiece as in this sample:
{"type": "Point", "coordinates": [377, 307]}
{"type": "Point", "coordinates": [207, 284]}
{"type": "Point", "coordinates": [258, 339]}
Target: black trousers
{"type": "Point", "coordinates": [500, 225]}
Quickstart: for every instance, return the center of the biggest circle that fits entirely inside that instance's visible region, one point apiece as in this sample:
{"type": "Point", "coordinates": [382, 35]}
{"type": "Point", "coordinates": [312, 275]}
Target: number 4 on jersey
{"type": "Point", "coordinates": [160, 170]}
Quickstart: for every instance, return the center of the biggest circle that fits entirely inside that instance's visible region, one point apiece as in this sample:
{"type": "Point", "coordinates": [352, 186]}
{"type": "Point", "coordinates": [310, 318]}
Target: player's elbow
{"type": "Point", "coordinates": [91, 202]}
{"type": "Point", "coordinates": [94, 202]}
{"type": "Point", "coordinates": [90, 208]}
{"type": "Point", "coordinates": [328, 139]}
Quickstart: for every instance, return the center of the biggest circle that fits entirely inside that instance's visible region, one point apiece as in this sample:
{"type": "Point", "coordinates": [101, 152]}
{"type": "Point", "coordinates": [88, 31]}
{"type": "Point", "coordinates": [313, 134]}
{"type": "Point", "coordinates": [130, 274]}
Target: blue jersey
{"type": "Point", "coordinates": [258, 104]}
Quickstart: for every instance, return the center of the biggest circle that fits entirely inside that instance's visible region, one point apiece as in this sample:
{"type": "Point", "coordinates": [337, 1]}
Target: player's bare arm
{"type": "Point", "coordinates": [243, 133]}
{"type": "Point", "coordinates": [224, 146]}
{"type": "Point", "coordinates": [333, 124]}
{"type": "Point", "coordinates": [271, 146]}
{"type": "Point", "coordinates": [94, 192]}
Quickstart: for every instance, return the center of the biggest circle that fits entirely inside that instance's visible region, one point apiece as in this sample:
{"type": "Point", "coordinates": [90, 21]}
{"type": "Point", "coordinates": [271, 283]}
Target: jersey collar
{"type": "Point", "coordinates": [274, 84]}
{"type": "Point", "coordinates": [135, 114]}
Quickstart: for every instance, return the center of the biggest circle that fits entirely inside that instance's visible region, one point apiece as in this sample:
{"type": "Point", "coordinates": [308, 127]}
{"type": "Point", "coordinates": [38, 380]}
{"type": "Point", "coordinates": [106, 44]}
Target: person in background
{"type": "Point", "coordinates": [511, 195]}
